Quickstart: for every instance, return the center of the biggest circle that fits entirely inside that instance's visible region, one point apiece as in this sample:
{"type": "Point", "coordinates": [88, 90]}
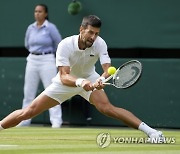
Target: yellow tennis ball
{"type": "Point", "coordinates": [111, 70]}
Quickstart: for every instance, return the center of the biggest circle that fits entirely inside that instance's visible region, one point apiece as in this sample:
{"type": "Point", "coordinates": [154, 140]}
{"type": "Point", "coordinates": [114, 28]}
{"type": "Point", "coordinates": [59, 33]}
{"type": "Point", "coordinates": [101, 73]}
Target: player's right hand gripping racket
{"type": "Point", "coordinates": [126, 75]}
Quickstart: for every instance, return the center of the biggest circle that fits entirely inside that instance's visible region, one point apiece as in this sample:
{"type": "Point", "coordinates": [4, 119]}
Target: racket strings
{"type": "Point", "coordinates": [127, 75]}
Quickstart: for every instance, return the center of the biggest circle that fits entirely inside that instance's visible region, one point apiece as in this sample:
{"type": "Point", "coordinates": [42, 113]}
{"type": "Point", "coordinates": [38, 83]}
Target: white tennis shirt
{"type": "Point", "coordinates": [81, 62]}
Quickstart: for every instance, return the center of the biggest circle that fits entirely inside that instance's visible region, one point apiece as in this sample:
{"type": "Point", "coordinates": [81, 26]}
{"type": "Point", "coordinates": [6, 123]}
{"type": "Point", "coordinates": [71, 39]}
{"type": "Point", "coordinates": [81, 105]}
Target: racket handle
{"type": "Point", "coordinates": [107, 79]}
{"type": "Point", "coordinates": [106, 83]}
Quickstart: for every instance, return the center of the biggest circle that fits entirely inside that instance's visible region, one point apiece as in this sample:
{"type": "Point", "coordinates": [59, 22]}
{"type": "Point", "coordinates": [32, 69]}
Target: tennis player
{"type": "Point", "coordinates": [75, 58]}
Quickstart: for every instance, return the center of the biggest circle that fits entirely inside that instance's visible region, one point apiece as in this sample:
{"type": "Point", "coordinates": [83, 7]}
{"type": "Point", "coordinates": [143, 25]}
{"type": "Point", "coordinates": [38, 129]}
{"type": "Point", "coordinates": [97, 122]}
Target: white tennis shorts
{"type": "Point", "coordinates": [61, 93]}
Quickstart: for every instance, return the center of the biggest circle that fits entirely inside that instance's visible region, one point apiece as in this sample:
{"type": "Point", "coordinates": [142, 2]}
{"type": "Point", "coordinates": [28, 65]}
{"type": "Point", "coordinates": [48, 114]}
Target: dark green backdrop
{"type": "Point", "coordinates": [155, 98]}
{"type": "Point", "coordinates": [126, 23]}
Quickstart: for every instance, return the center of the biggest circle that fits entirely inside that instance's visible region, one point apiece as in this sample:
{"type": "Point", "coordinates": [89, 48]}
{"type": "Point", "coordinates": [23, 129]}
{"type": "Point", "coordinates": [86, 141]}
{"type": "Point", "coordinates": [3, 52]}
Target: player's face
{"type": "Point", "coordinates": [88, 35]}
{"type": "Point", "coordinates": [39, 13]}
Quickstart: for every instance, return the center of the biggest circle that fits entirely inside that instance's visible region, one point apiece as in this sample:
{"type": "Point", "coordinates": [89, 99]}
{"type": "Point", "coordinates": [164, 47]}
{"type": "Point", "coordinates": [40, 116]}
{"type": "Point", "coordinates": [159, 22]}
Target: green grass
{"type": "Point", "coordinates": [32, 140]}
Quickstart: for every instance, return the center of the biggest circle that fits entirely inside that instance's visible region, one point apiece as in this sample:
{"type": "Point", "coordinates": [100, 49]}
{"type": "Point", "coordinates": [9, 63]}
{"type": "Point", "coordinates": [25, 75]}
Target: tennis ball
{"type": "Point", "coordinates": [111, 70]}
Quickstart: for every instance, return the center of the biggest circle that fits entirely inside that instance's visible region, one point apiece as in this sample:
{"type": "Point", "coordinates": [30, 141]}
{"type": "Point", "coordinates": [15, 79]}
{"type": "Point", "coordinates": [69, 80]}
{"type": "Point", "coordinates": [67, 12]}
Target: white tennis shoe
{"type": "Point", "coordinates": [56, 125]}
{"type": "Point", "coordinates": [156, 137]}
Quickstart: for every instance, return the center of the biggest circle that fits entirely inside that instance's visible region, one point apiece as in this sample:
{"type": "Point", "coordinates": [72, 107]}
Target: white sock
{"type": "Point", "coordinates": [146, 129]}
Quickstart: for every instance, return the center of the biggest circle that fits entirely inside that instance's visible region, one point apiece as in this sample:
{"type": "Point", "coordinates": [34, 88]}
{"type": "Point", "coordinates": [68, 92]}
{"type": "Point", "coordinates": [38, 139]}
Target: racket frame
{"type": "Point", "coordinates": [105, 82]}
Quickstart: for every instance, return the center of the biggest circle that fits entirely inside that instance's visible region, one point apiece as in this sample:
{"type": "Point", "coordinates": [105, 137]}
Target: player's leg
{"type": "Point", "coordinates": [100, 100]}
{"type": "Point", "coordinates": [46, 74]}
{"type": "Point", "coordinates": [39, 104]}
{"type": "Point", "coordinates": [31, 83]}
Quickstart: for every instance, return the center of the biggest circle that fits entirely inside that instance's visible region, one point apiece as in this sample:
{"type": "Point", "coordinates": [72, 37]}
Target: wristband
{"type": "Point", "coordinates": [79, 82]}
{"type": "Point", "coordinates": [102, 78]}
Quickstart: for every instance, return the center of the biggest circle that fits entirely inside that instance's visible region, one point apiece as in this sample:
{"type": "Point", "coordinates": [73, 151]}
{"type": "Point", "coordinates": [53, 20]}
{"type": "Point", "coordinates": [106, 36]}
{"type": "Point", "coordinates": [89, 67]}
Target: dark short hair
{"type": "Point", "coordinates": [45, 9]}
{"type": "Point", "coordinates": [91, 20]}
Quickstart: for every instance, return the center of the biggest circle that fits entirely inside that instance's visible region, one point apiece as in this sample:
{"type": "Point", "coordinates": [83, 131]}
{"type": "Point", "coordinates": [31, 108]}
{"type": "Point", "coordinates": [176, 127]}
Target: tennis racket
{"type": "Point", "coordinates": [126, 75]}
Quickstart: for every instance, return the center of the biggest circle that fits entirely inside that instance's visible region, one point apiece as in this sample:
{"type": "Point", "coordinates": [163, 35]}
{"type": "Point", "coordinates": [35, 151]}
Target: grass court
{"type": "Point", "coordinates": [42, 140]}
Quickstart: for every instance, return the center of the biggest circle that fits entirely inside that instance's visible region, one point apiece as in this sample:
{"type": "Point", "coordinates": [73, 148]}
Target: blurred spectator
{"type": "Point", "coordinates": [41, 40]}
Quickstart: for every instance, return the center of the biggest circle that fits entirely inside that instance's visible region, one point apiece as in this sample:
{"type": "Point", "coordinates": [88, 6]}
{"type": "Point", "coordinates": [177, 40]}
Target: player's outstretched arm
{"type": "Point", "coordinates": [105, 69]}
{"type": "Point", "coordinates": [72, 81]}
{"type": "Point", "coordinates": [65, 76]}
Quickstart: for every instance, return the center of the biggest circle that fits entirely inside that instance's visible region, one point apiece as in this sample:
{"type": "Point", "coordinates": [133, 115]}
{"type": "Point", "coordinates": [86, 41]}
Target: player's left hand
{"type": "Point", "coordinates": [87, 85]}
{"type": "Point", "coordinates": [99, 84]}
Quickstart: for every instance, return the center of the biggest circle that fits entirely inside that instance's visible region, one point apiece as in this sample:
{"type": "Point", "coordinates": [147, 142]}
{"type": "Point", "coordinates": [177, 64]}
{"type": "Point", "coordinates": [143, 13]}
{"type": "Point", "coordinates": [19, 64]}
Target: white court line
{"type": "Point", "coordinates": [7, 145]}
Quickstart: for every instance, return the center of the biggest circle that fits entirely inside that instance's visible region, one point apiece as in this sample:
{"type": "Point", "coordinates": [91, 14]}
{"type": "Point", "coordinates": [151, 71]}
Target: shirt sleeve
{"type": "Point", "coordinates": [62, 55]}
{"type": "Point", "coordinates": [55, 35]}
{"type": "Point", "coordinates": [26, 38]}
{"type": "Point", "coordinates": [103, 53]}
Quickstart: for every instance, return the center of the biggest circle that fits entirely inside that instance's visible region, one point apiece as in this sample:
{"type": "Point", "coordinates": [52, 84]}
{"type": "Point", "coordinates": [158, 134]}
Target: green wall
{"type": "Point", "coordinates": [154, 99]}
{"type": "Point", "coordinates": [126, 23]}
